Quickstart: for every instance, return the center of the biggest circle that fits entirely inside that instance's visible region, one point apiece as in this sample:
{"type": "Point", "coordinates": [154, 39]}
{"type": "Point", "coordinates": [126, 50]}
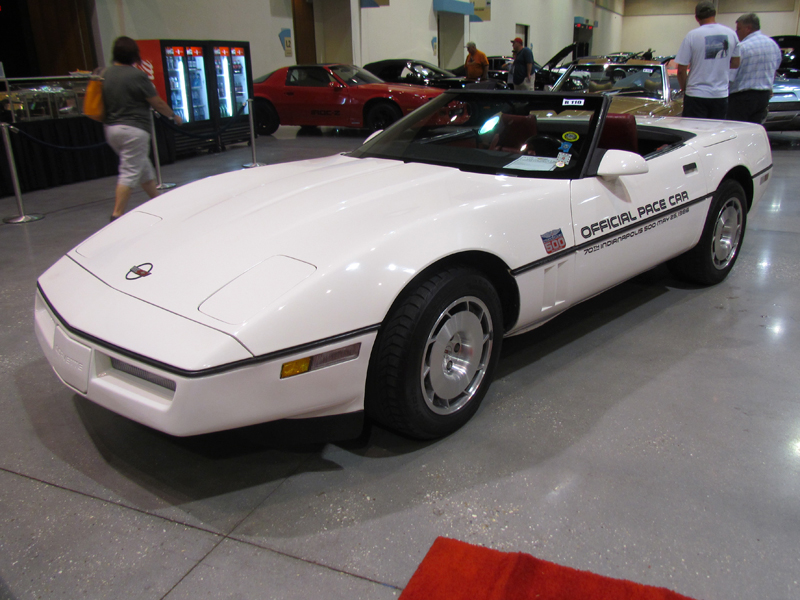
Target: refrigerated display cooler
{"type": "Point", "coordinates": [207, 83]}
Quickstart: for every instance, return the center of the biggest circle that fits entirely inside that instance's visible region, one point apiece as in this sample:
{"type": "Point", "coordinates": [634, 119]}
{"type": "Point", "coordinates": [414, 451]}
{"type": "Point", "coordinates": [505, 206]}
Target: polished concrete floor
{"type": "Point", "coordinates": [652, 434]}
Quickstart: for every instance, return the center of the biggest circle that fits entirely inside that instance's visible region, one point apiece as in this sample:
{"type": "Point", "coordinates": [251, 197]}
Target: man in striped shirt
{"type": "Point", "coordinates": [751, 89]}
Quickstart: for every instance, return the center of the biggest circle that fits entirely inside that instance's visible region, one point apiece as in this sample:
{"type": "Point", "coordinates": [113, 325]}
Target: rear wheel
{"type": "Point", "coordinates": [715, 254]}
{"type": "Point", "coordinates": [382, 114]}
{"type": "Point", "coordinates": [435, 356]}
{"type": "Point", "coordinates": [266, 118]}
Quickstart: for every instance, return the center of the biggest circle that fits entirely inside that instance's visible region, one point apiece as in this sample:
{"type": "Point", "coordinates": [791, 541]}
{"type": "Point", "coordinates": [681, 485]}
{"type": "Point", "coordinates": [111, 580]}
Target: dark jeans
{"type": "Point", "coordinates": [704, 108]}
{"type": "Point", "coordinates": [749, 105]}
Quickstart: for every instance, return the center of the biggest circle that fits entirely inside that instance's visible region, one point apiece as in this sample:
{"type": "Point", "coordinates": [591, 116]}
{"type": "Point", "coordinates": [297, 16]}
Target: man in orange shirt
{"type": "Point", "coordinates": [477, 65]}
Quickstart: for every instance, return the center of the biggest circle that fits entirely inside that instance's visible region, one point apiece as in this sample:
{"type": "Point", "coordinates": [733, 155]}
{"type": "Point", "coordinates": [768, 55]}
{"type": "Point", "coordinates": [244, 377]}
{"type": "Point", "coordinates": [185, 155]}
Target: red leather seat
{"type": "Point", "coordinates": [513, 133]}
{"type": "Point", "coordinates": [619, 133]}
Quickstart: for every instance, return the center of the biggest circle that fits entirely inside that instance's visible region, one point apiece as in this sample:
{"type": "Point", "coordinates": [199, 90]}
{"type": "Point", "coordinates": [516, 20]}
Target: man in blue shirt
{"type": "Point", "coordinates": [751, 89]}
{"type": "Point", "coordinates": [522, 71]}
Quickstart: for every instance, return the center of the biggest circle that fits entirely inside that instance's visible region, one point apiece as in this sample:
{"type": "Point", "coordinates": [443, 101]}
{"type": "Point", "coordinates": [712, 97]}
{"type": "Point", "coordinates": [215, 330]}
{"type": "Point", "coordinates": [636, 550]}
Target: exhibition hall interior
{"type": "Point", "coordinates": [391, 328]}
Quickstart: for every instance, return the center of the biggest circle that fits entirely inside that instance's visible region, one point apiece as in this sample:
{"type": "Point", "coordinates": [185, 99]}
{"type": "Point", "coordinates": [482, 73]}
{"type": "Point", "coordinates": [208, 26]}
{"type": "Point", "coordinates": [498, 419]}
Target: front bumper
{"type": "Point", "coordinates": [183, 403]}
{"type": "Point", "coordinates": [783, 118]}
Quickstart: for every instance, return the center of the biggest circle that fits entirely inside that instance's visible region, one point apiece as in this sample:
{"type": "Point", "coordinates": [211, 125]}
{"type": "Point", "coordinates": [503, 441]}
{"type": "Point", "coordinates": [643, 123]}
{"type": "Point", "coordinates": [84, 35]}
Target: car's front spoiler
{"type": "Point", "coordinates": [182, 405]}
{"type": "Point", "coordinates": [788, 120]}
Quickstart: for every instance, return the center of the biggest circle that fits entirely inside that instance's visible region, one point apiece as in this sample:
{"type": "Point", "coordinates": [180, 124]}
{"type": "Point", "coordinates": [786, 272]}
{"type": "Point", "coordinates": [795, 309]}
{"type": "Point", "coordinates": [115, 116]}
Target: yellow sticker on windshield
{"type": "Point", "coordinates": [570, 136]}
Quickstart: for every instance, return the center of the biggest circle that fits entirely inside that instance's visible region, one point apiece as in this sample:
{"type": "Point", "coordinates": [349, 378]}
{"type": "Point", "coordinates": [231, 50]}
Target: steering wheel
{"type": "Point", "coordinates": [618, 75]}
{"type": "Point", "coordinates": [544, 145]}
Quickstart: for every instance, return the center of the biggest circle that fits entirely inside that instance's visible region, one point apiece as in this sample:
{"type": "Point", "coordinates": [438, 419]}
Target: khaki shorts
{"type": "Point", "coordinates": [132, 145]}
{"type": "Point", "coordinates": [524, 85]}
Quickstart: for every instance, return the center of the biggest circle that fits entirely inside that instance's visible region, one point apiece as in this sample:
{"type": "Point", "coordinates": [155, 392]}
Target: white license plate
{"type": "Point", "coordinates": [72, 361]}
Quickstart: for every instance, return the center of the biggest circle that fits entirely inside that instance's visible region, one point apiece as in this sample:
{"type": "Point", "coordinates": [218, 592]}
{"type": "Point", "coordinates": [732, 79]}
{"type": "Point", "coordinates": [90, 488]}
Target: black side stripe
{"type": "Point", "coordinates": [559, 255]}
{"type": "Point", "coordinates": [304, 348]}
{"type": "Point", "coordinates": [760, 173]}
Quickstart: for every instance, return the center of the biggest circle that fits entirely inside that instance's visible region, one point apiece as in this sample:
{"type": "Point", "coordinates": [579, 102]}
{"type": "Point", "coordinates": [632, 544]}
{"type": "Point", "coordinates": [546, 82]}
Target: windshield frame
{"type": "Point", "coordinates": [666, 86]}
{"type": "Point", "coordinates": [438, 72]}
{"type": "Point", "coordinates": [361, 73]}
{"type": "Point", "coordinates": [404, 140]}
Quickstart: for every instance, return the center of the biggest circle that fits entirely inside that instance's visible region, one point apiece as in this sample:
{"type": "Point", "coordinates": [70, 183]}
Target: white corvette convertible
{"type": "Point", "coordinates": [384, 280]}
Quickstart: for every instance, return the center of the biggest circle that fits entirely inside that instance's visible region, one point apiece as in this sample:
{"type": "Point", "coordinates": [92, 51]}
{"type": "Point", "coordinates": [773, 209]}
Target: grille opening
{"type": "Point", "coordinates": [142, 374]}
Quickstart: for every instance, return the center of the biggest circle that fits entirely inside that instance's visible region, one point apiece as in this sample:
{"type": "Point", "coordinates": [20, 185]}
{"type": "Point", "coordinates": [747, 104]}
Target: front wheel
{"type": "Point", "coordinates": [713, 258]}
{"type": "Point", "coordinates": [382, 114]}
{"type": "Point", "coordinates": [435, 355]}
{"type": "Point", "coordinates": [266, 118]}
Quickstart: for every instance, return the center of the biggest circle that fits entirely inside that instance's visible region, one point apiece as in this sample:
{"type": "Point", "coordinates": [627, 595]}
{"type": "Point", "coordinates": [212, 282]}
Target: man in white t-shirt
{"type": "Point", "coordinates": [708, 52]}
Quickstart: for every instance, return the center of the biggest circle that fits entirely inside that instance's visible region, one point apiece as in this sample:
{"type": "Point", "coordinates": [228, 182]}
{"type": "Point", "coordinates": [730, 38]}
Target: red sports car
{"type": "Point", "coordinates": [335, 95]}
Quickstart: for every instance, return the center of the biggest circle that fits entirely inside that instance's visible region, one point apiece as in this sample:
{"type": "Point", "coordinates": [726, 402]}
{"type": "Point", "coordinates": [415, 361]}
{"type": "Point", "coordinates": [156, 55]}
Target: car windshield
{"type": "Point", "coordinates": [263, 78]}
{"type": "Point", "coordinates": [500, 63]}
{"type": "Point", "coordinates": [524, 135]}
{"type": "Point", "coordinates": [428, 70]}
{"type": "Point", "coordinates": [788, 57]}
{"type": "Point", "coordinates": [352, 75]}
{"type": "Point", "coordinates": [614, 79]}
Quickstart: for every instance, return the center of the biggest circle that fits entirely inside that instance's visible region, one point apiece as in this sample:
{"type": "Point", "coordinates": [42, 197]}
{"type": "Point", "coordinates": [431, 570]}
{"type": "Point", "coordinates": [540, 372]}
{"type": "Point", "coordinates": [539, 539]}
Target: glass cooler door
{"type": "Point", "coordinates": [197, 83]}
{"type": "Point", "coordinates": [223, 71]}
{"type": "Point", "coordinates": [240, 75]}
{"type": "Point", "coordinates": [177, 88]}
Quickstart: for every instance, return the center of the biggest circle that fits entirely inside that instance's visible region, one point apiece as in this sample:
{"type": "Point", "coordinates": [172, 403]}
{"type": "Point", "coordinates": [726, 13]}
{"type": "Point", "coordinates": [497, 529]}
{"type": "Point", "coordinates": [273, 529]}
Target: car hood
{"type": "Point", "coordinates": [785, 90]}
{"type": "Point", "coordinates": [219, 251]}
{"type": "Point", "coordinates": [644, 106]}
{"type": "Point", "coordinates": [452, 82]}
{"type": "Point", "coordinates": [400, 88]}
{"type": "Point", "coordinates": [561, 55]}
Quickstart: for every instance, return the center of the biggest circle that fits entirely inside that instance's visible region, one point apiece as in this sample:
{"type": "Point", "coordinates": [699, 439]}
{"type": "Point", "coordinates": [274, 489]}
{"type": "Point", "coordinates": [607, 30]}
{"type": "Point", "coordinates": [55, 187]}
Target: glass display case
{"type": "Point", "coordinates": [37, 98]}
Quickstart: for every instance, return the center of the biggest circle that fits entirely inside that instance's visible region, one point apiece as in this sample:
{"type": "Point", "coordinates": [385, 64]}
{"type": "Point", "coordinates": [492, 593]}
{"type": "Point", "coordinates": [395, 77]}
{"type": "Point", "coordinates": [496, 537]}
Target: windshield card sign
{"type": "Point", "coordinates": [573, 102]}
{"type": "Point", "coordinates": [553, 241]}
{"type": "Point", "coordinates": [533, 163]}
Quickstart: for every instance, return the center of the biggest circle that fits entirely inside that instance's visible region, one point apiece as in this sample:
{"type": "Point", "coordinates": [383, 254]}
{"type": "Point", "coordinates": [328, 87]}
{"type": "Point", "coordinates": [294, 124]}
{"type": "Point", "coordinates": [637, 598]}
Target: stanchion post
{"type": "Point", "coordinates": [22, 218]}
{"type": "Point", "coordinates": [160, 185]}
{"type": "Point", "coordinates": [255, 163]}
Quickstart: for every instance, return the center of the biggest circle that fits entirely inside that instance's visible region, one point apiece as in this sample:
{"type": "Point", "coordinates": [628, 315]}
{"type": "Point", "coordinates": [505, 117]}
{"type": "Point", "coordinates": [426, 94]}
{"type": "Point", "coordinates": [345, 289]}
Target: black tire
{"type": "Point", "coordinates": [435, 355]}
{"type": "Point", "coordinates": [266, 118]}
{"type": "Point", "coordinates": [382, 114]}
{"type": "Point", "coordinates": [710, 261]}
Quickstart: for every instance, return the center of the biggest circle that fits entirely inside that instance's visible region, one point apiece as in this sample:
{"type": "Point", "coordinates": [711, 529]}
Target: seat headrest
{"type": "Point", "coordinates": [619, 133]}
{"type": "Point", "coordinates": [513, 132]}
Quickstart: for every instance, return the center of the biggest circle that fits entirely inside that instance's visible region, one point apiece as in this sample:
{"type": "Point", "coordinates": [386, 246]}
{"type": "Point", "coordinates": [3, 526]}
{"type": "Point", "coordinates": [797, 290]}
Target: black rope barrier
{"type": "Point", "coordinates": [208, 136]}
{"type": "Point", "coordinates": [212, 136]}
{"type": "Point", "coordinates": [54, 146]}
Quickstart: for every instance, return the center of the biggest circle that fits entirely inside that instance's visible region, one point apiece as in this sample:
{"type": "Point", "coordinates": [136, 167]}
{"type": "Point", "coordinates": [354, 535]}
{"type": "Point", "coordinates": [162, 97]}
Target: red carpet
{"type": "Point", "coordinates": [454, 570]}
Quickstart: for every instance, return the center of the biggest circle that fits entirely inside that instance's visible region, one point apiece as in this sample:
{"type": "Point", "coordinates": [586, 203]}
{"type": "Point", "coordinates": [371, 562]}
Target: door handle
{"type": "Point", "coordinates": [690, 168]}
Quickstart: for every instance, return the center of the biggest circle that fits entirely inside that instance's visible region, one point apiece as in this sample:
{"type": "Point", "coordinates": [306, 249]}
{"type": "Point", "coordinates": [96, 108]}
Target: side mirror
{"type": "Point", "coordinates": [616, 163]}
{"type": "Point", "coordinates": [335, 85]}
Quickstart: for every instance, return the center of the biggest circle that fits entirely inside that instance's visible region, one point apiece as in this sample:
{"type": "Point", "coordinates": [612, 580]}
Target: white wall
{"type": "Point", "coordinates": [664, 33]}
{"type": "Point", "coordinates": [551, 25]}
{"type": "Point", "coordinates": [404, 29]}
{"type": "Point", "coordinates": [772, 23]}
{"type": "Point", "coordinates": [256, 21]}
{"type": "Point", "coordinates": [333, 31]}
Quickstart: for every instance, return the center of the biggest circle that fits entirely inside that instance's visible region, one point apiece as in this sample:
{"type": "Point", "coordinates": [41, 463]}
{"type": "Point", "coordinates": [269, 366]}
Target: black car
{"type": "Point", "coordinates": [546, 74]}
{"type": "Point", "coordinates": [790, 49]}
{"type": "Point", "coordinates": [417, 72]}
